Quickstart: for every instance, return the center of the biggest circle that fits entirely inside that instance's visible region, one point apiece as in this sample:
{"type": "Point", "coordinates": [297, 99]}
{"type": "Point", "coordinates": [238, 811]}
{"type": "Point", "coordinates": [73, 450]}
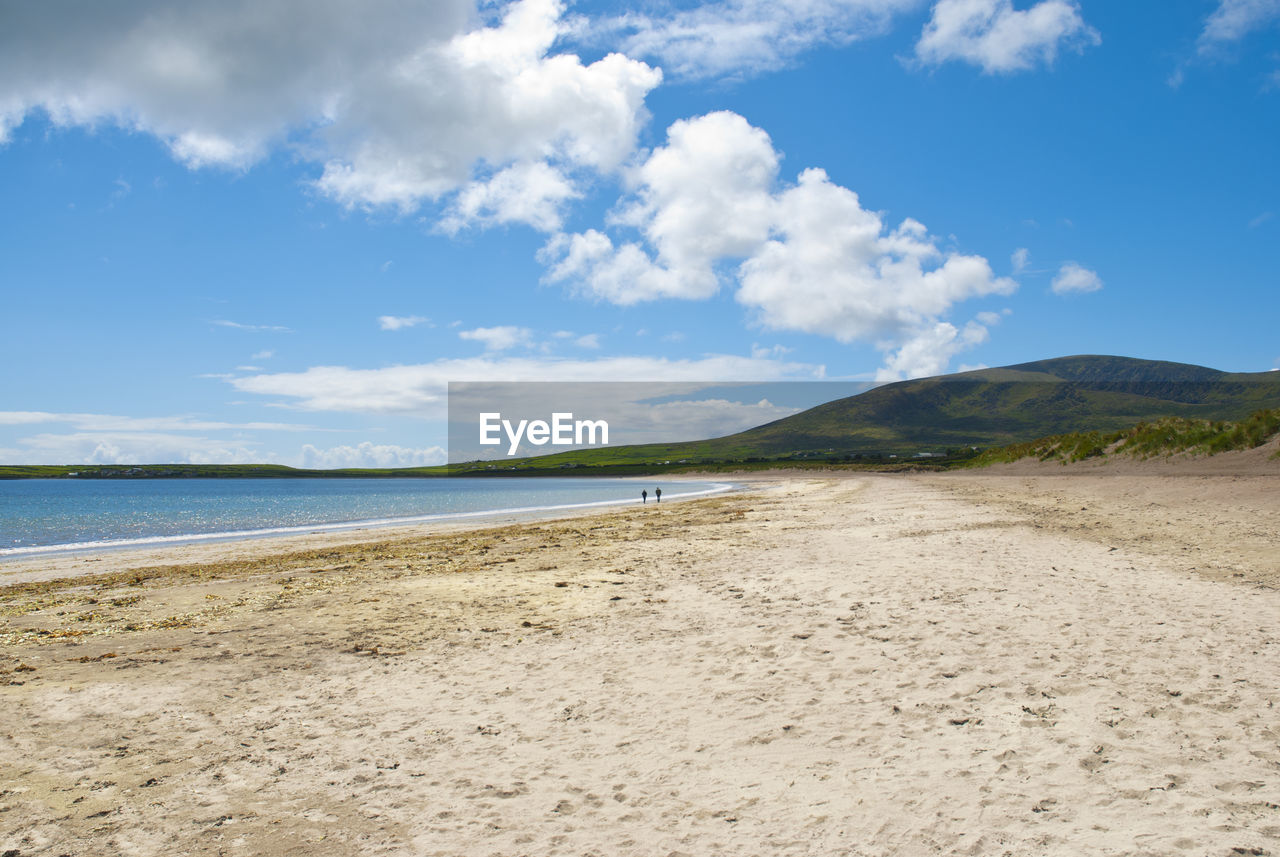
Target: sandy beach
{"type": "Point", "coordinates": [1010, 663]}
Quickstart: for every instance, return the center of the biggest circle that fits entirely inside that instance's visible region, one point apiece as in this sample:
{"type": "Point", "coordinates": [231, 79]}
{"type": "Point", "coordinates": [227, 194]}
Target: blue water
{"type": "Point", "coordinates": [40, 515]}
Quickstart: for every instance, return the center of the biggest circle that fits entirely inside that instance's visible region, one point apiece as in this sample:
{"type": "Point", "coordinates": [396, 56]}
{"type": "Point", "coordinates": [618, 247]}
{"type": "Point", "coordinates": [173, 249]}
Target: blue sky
{"type": "Point", "coordinates": [273, 231]}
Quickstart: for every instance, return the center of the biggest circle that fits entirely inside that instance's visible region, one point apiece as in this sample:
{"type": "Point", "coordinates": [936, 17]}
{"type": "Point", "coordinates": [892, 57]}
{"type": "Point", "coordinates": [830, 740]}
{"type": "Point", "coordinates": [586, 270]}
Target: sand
{"type": "Point", "coordinates": [870, 665]}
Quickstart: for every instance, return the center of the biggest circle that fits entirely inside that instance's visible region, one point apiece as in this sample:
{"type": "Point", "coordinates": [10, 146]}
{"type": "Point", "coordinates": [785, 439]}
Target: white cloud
{"type": "Point", "coordinates": [501, 338]}
{"type": "Point", "coordinates": [115, 423]}
{"type": "Point", "coordinates": [367, 454]}
{"type": "Point", "coordinates": [263, 355]}
{"type": "Point", "coordinates": [253, 328]}
{"type": "Point", "coordinates": [1073, 279]}
{"type": "Point", "coordinates": [1020, 259]}
{"type": "Point", "coordinates": [528, 193]}
{"type": "Point", "coordinates": [589, 340]}
{"type": "Point", "coordinates": [21, 418]}
{"type": "Point", "coordinates": [835, 271]}
{"type": "Point", "coordinates": [421, 389]}
{"type": "Point", "coordinates": [400, 103]}
{"type": "Point", "coordinates": [130, 448]}
{"type": "Point", "coordinates": [399, 322]}
{"type": "Point", "coordinates": [111, 439]}
{"type": "Point", "coordinates": [485, 101]}
{"type": "Point", "coordinates": [1233, 20]}
{"type": "Point", "coordinates": [748, 36]}
{"type": "Point", "coordinates": [1224, 29]}
{"type": "Point", "coordinates": [930, 350]}
{"type": "Point", "coordinates": [810, 257]}
{"type": "Point", "coordinates": [1000, 39]}
{"type": "Point", "coordinates": [711, 165]}
{"type": "Point", "coordinates": [761, 352]}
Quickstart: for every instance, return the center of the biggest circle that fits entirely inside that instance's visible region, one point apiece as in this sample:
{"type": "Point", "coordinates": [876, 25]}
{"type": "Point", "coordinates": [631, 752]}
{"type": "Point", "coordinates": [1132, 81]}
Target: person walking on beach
{"type": "Point", "coordinates": [657, 492]}
{"type": "Point", "coordinates": [644, 495]}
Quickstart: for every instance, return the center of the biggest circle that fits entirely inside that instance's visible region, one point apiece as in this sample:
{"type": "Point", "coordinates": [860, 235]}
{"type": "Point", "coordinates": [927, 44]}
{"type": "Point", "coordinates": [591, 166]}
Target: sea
{"type": "Point", "coordinates": [40, 516]}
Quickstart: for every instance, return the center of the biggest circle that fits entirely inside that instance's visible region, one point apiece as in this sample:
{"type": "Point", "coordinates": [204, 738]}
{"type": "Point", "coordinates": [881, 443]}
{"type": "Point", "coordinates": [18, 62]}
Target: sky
{"type": "Point", "coordinates": [275, 230]}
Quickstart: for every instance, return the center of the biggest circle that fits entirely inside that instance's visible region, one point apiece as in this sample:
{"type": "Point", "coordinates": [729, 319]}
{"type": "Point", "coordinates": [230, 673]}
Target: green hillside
{"type": "Point", "coordinates": [985, 408]}
{"type": "Point", "coordinates": [1162, 438]}
{"type": "Point", "coordinates": [995, 407]}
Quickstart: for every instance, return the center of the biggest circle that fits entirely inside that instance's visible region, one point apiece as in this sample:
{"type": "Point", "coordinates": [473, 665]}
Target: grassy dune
{"type": "Point", "coordinates": [1171, 436]}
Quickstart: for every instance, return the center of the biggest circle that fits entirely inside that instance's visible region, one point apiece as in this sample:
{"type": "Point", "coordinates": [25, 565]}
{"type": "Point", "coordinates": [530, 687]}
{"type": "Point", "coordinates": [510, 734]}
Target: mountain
{"type": "Point", "coordinates": [983, 408]}
{"type": "Point", "coordinates": [1011, 404]}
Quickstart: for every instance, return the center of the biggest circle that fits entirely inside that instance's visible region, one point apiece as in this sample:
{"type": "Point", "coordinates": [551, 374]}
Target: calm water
{"type": "Point", "coordinates": [38, 515]}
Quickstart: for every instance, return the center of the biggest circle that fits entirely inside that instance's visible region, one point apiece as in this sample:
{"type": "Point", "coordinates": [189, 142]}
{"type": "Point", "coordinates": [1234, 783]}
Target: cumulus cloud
{"type": "Point", "coordinates": [529, 193]}
{"type": "Point", "coordinates": [1073, 279]}
{"type": "Point", "coordinates": [809, 257]}
{"type": "Point", "coordinates": [501, 338]}
{"type": "Point", "coordinates": [421, 389]}
{"type": "Point", "coordinates": [833, 269]}
{"type": "Point", "coordinates": [993, 35]}
{"type": "Point", "coordinates": [930, 350]}
{"type": "Point", "coordinates": [711, 165]}
{"type": "Point", "coordinates": [368, 454]}
{"type": "Point", "coordinates": [399, 322]}
{"type": "Point", "coordinates": [398, 103]}
{"type": "Point", "coordinates": [747, 36]}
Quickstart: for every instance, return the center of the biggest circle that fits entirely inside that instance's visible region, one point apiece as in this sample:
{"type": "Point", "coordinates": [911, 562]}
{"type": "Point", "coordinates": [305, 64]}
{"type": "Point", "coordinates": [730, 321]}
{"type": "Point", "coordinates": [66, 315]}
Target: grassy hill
{"type": "Point", "coordinates": [984, 408]}
{"type": "Point", "coordinates": [995, 407]}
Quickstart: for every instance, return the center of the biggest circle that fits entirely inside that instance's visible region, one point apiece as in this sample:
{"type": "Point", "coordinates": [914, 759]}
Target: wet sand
{"type": "Point", "coordinates": [867, 665]}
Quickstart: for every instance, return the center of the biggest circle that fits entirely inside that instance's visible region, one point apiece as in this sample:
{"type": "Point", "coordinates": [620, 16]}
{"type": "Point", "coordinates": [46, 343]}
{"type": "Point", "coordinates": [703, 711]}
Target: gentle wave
{"type": "Point", "coordinates": [186, 538]}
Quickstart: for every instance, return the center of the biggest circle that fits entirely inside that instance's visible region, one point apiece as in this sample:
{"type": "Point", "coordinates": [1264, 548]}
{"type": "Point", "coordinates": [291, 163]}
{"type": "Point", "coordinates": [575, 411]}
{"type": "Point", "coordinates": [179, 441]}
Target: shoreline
{"type": "Point", "coordinates": [14, 561]}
